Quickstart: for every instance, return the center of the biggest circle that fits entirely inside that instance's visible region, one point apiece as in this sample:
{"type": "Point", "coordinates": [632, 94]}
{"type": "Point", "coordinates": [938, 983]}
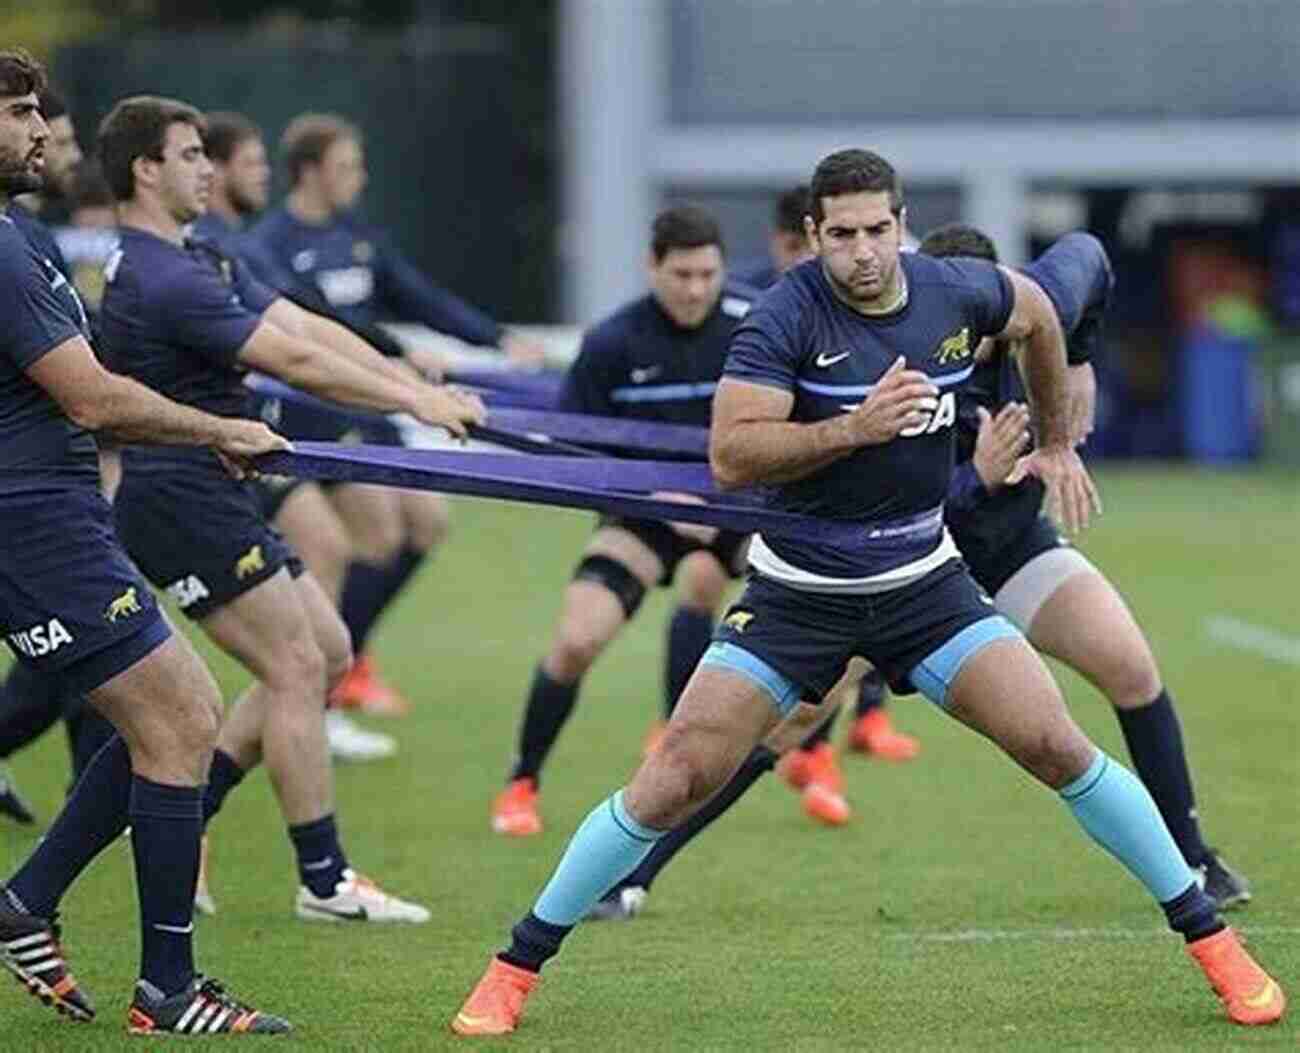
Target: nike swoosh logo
{"type": "Point", "coordinates": [328, 861]}
{"type": "Point", "coordinates": [358, 914]}
{"type": "Point", "coordinates": [640, 376]}
{"type": "Point", "coordinates": [1264, 998]}
{"type": "Point", "coordinates": [176, 929]}
{"type": "Point", "coordinates": [823, 361]}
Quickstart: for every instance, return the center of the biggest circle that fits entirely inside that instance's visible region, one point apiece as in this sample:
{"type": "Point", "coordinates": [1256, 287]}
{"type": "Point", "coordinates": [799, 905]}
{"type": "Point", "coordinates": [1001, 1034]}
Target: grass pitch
{"type": "Point", "coordinates": [961, 910]}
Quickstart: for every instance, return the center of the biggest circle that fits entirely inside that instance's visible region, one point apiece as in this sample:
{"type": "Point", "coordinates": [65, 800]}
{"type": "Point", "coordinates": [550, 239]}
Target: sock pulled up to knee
{"type": "Point", "coordinates": [1117, 812]}
{"type": "Point", "coordinates": [607, 846]}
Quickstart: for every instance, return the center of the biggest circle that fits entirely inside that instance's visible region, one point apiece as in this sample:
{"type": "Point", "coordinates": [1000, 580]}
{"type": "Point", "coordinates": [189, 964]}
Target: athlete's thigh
{"type": "Point", "coordinates": [702, 580]}
{"type": "Point", "coordinates": [1005, 692]}
{"type": "Point", "coordinates": [164, 687]}
{"type": "Point", "coordinates": [1086, 624]}
{"type": "Point", "coordinates": [327, 628]}
{"type": "Point", "coordinates": [260, 626]}
{"type": "Point", "coordinates": [426, 518]}
{"type": "Point", "coordinates": [373, 517]}
{"type": "Point", "coordinates": [310, 523]}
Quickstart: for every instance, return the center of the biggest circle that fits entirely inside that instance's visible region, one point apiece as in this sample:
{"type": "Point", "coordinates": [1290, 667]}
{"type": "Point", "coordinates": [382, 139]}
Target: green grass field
{"type": "Point", "coordinates": [961, 910]}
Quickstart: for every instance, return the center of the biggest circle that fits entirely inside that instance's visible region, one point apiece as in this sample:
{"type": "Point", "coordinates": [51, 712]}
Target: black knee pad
{"type": "Point", "coordinates": [614, 576]}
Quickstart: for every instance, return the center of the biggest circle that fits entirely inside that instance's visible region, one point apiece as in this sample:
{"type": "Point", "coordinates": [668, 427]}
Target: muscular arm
{"type": "Point", "coordinates": [98, 400]}
{"type": "Point", "coordinates": [322, 371]}
{"type": "Point", "coordinates": [317, 329]}
{"type": "Point", "coordinates": [752, 440]}
{"type": "Point", "coordinates": [1033, 325]}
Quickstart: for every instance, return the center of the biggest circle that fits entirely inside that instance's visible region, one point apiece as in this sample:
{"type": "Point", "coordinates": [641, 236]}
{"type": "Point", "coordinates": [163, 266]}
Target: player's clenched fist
{"type": "Point", "coordinates": [904, 398]}
{"type": "Point", "coordinates": [242, 440]}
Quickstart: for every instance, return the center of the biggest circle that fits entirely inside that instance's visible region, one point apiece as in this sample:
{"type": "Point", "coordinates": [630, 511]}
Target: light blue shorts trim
{"type": "Point", "coordinates": [936, 672]}
{"type": "Point", "coordinates": [782, 692]}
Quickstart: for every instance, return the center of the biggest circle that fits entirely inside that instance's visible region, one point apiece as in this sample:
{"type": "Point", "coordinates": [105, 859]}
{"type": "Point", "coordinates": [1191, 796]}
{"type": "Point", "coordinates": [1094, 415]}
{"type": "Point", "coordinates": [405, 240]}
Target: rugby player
{"type": "Point", "coordinates": [298, 508]}
{"type": "Point", "coordinates": [839, 396]}
{"type": "Point", "coordinates": [1063, 604]}
{"type": "Point", "coordinates": [657, 358]}
{"type": "Point", "coordinates": [315, 238]}
{"type": "Point", "coordinates": [188, 321]}
{"type": "Point", "coordinates": [74, 608]}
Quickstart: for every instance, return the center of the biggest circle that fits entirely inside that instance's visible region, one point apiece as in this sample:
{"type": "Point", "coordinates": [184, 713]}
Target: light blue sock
{"type": "Point", "coordinates": [608, 846]}
{"type": "Point", "coordinates": [1118, 813]}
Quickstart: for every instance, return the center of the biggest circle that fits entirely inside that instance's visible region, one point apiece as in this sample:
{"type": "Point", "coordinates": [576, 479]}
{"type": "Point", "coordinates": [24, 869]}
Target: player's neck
{"type": "Point", "coordinates": [308, 208]}
{"type": "Point", "coordinates": [150, 217]}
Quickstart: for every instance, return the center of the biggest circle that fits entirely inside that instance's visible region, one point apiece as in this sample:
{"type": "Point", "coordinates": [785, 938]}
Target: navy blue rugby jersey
{"type": "Point", "coordinates": [759, 273]}
{"type": "Point", "coordinates": [40, 236]}
{"type": "Point", "coordinates": [639, 363]}
{"type": "Point", "coordinates": [39, 446]}
{"type": "Point", "coordinates": [175, 317]}
{"type": "Point", "coordinates": [802, 339]}
{"type": "Point", "coordinates": [364, 277]}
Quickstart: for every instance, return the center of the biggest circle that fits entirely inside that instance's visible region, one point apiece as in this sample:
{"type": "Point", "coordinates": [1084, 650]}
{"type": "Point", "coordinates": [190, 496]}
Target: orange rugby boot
{"type": "Point", "coordinates": [874, 733]}
{"type": "Point", "coordinates": [1249, 994]}
{"type": "Point", "coordinates": [497, 1002]}
{"type": "Point", "coordinates": [365, 689]}
{"type": "Point", "coordinates": [514, 812]}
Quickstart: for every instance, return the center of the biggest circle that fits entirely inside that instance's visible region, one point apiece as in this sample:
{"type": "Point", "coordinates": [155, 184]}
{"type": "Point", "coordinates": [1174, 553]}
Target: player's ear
{"type": "Point", "coordinates": [810, 231]}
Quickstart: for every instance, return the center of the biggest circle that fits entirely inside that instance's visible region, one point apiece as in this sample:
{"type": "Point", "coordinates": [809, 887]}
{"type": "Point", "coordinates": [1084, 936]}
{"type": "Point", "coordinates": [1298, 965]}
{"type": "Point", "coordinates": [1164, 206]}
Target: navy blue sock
{"type": "Point", "coordinates": [1155, 743]}
{"type": "Point", "coordinates": [88, 731]}
{"type": "Point", "coordinates": [369, 588]}
{"type": "Point", "coordinates": [533, 942]}
{"type": "Point", "coordinates": [689, 634]}
{"type": "Point", "coordinates": [30, 703]}
{"type": "Point", "coordinates": [166, 824]}
{"type": "Point", "coordinates": [223, 776]}
{"type": "Point", "coordinates": [1193, 914]}
{"type": "Point", "coordinates": [757, 764]}
{"type": "Point", "coordinates": [545, 714]}
{"type": "Point", "coordinates": [871, 692]}
{"type": "Point", "coordinates": [93, 816]}
{"type": "Point", "coordinates": [321, 861]}
{"type": "Point", "coordinates": [822, 733]}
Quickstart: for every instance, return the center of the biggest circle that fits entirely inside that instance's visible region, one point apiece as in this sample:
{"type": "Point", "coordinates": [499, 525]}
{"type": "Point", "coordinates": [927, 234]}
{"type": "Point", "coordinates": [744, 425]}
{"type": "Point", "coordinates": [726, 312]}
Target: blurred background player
{"type": "Point", "coordinates": [787, 244]}
{"type": "Point", "coordinates": [657, 358]}
{"type": "Point", "coordinates": [317, 240]}
{"type": "Point", "coordinates": [1065, 606]}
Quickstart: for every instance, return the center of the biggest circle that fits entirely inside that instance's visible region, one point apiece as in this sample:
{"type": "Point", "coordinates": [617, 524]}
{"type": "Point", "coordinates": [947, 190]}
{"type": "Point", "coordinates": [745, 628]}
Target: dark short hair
{"type": "Point", "coordinates": [51, 103]}
{"type": "Point", "coordinates": [20, 74]}
{"type": "Point", "coordinates": [959, 239]}
{"type": "Point", "coordinates": [226, 132]}
{"type": "Point", "coordinates": [308, 138]}
{"type": "Point", "coordinates": [791, 207]}
{"type": "Point", "coordinates": [683, 227]}
{"type": "Point", "coordinates": [137, 127]}
{"type": "Point", "coordinates": [854, 172]}
{"type": "Point", "coordinates": [87, 187]}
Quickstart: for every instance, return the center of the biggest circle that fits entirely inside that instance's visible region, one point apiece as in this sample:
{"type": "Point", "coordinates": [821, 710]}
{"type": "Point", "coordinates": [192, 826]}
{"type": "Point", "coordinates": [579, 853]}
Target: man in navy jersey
{"type": "Point", "coordinates": [839, 397]}
{"type": "Point", "coordinates": [327, 251]}
{"type": "Point", "coordinates": [657, 358]}
{"type": "Point", "coordinates": [787, 244]}
{"type": "Point", "coordinates": [1048, 588]}
{"type": "Point", "coordinates": [73, 607]}
{"type": "Point", "coordinates": [188, 321]}
{"type": "Point", "coordinates": [299, 508]}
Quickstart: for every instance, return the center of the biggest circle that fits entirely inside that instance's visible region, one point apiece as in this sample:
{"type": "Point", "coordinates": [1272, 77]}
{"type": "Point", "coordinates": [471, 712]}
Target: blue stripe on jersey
{"type": "Point", "coordinates": [663, 392]}
{"type": "Point", "coordinates": [846, 390]}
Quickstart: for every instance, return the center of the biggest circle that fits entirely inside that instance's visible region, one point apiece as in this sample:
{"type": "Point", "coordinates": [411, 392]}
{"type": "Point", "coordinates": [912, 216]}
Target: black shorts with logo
{"type": "Point", "coordinates": [198, 534]}
{"type": "Point", "coordinates": [71, 603]}
{"type": "Point", "coordinates": [809, 636]}
{"type": "Point", "coordinates": [672, 548]}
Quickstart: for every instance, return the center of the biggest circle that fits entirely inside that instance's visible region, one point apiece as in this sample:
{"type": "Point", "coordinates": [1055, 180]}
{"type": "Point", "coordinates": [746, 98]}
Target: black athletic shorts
{"type": "Point", "coordinates": [994, 568]}
{"type": "Point", "coordinates": [198, 534]}
{"type": "Point", "coordinates": [71, 603]}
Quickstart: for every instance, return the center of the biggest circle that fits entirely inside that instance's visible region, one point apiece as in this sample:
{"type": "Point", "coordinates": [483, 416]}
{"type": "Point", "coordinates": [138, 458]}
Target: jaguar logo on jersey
{"type": "Point", "coordinates": [954, 348]}
{"type": "Point", "coordinates": [250, 563]}
{"type": "Point", "coordinates": [41, 639]}
{"type": "Point", "coordinates": [738, 620]}
{"type": "Point", "coordinates": [123, 606]}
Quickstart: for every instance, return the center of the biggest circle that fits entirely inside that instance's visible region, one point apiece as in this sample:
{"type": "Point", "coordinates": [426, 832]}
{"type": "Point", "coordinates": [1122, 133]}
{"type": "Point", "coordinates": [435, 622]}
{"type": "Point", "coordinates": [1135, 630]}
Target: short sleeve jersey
{"type": "Point", "coordinates": [802, 339]}
{"type": "Point", "coordinates": [640, 364]}
{"type": "Point", "coordinates": [175, 317]}
{"type": "Point", "coordinates": [39, 446]}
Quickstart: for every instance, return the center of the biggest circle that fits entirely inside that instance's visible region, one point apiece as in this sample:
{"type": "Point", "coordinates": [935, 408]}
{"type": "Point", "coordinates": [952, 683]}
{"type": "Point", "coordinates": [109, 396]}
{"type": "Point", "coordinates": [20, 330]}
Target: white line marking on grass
{"type": "Point", "coordinates": [1061, 935]}
{"type": "Point", "coordinates": [1259, 639]}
